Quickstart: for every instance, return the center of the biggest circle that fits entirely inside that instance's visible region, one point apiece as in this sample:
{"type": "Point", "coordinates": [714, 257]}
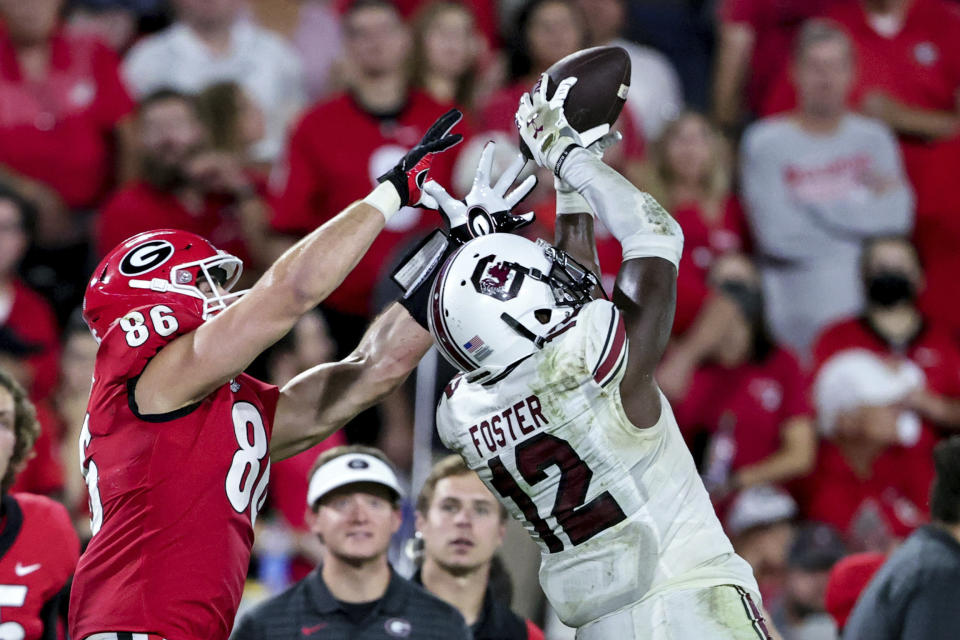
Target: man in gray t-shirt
{"type": "Point", "coordinates": [816, 182]}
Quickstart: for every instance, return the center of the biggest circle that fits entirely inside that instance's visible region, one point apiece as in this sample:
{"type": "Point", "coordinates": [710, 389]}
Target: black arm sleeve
{"type": "Point", "coordinates": [417, 272]}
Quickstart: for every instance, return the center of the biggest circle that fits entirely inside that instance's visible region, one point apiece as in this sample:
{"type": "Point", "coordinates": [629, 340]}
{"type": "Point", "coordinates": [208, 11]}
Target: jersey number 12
{"type": "Point", "coordinates": [578, 520]}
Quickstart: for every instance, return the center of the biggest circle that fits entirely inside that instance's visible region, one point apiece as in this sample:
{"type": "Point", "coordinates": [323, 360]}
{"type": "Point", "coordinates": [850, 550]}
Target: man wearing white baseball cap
{"type": "Point", "coordinates": [873, 472]}
{"type": "Point", "coordinates": [354, 501]}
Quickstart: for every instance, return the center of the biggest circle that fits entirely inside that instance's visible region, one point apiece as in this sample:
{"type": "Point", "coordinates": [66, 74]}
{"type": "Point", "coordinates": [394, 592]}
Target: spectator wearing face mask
{"type": "Point", "coordinates": [891, 324]}
{"type": "Point", "coordinates": [870, 482]}
{"type": "Point", "coordinates": [745, 394]}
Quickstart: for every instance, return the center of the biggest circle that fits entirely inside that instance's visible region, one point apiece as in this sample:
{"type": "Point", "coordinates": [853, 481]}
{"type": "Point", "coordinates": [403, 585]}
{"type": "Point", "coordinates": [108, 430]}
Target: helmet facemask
{"type": "Point", "coordinates": [571, 284]}
{"type": "Point", "coordinates": [220, 273]}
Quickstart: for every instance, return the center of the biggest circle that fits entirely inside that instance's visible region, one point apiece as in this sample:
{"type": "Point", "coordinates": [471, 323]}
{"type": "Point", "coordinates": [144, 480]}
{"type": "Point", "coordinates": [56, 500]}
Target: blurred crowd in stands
{"type": "Point", "coordinates": [809, 148]}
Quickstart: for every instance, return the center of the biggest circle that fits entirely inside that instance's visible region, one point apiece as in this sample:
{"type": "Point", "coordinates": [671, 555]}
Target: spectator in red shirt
{"type": "Point", "coordinates": [325, 171]}
{"type": "Point", "coordinates": [745, 393]}
{"type": "Point", "coordinates": [755, 39]}
{"type": "Point", "coordinates": [22, 311]}
{"type": "Point", "coordinates": [689, 172]}
{"type": "Point", "coordinates": [184, 184]}
{"type": "Point", "coordinates": [63, 102]}
{"type": "Point", "coordinates": [870, 482]}
{"type": "Point", "coordinates": [892, 325]}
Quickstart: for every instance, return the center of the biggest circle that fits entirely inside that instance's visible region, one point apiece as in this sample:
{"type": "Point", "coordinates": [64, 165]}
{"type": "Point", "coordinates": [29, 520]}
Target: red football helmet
{"type": "Point", "coordinates": [152, 267]}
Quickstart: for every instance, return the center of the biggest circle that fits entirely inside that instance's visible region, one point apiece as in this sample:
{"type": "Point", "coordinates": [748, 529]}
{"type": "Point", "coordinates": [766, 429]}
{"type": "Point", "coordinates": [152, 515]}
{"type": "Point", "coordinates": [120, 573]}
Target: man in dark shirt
{"type": "Point", "coordinates": [914, 595]}
{"type": "Point", "coordinates": [355, 594]}
{"type": "Point", "coordinates": [461, 525]}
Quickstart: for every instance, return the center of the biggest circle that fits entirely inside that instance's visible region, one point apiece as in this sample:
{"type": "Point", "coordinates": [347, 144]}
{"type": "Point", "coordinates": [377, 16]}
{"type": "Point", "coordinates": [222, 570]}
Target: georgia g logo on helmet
{"type": "Point", "coordinates": [145, 257]}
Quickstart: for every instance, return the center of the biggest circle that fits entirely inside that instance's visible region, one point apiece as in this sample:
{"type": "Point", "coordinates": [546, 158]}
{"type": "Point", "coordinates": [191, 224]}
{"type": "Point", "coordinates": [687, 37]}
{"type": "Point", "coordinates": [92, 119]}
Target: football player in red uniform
{"type": "Point", "coordinates": [177, 442]}
{"type": "Point", "coordinates": [38, 546]}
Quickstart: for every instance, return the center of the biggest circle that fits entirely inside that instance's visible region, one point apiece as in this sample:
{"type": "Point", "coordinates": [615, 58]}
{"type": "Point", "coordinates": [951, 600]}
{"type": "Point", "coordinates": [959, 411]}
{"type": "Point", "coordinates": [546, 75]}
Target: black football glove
{"type": "Point", "coordinates": [411, 172]}
{"type": "Point", "coordinates": [486, 209]}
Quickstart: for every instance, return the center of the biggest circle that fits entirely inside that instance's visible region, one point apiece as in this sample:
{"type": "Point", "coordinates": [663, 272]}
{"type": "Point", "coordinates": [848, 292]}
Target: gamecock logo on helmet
{"type": "Point", "coordinates": [145, 257]}
{"type": "Point", "coordinates": [496, 279]}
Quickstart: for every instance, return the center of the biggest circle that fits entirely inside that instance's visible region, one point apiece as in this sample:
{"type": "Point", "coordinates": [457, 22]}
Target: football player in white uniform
{"type": "Point", "coordinates": [557, 409]}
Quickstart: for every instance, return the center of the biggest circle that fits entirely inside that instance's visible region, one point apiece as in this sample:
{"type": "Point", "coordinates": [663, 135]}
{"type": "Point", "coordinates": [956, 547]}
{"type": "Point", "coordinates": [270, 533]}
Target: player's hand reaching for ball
{"type": "Point", "coordinates": [543, 126]}
{"type": "Point", "coordinates": [486, 208]}
{"type": "Point", "coordinates": [411, 172]}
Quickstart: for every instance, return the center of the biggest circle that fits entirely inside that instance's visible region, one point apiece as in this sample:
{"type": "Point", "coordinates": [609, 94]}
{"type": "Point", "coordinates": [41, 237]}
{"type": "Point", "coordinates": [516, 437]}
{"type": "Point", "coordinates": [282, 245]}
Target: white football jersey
{"type": "Point", "coordinates": [619, 513]}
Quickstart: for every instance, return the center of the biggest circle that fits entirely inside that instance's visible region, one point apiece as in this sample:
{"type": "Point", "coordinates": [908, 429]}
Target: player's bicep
{"type": "Point", "coordinates": [645, 293]}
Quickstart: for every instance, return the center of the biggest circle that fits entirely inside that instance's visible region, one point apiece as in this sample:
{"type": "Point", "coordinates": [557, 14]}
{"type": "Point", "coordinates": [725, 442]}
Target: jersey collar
{"type": "Point", "coordinates": [12, 524]}
{"type": "Point", "coordinates": [393, 601]}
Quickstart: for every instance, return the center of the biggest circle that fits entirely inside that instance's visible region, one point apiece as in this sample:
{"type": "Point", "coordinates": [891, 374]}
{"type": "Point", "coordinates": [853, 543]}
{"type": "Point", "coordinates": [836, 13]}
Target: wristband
{"type": "Point", "coordinates": [385, 199]}
{"type": "Point", "coordinates": [563, 157]}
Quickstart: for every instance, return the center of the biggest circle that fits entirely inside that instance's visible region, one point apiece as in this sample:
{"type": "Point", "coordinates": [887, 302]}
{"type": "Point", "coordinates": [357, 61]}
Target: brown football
{"type": "Point", "coordinates": [603, 78]}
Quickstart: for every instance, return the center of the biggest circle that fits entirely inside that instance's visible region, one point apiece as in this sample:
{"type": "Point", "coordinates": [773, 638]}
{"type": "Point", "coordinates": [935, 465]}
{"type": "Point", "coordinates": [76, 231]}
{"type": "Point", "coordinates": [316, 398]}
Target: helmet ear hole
{"type": "Point", "coordinates": [543, 315]}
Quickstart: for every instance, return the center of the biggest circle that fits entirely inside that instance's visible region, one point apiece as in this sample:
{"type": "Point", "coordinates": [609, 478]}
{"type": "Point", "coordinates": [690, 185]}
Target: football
{"type": "Point", "coordinates": [603, 78]}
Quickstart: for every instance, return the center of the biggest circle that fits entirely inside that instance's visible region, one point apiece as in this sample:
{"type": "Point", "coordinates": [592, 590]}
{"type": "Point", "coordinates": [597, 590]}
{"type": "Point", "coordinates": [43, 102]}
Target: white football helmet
{"type": "Point", "coordinates": [496, 300]}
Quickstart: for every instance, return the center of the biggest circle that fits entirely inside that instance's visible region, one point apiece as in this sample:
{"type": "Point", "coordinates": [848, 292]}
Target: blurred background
{"type": "Point", "coordinates": [808, 148]}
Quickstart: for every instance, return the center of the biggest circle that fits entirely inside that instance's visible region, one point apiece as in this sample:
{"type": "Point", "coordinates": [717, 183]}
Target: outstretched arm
{"type": "Point", "coordinates": [650, 238]}
{"type": "Point", "coordinates": [322, 399]}
{"type": "Point", "coordinates": [573, 231]}
{"type": "Point", "coordinates": [646, 287]}
{"type": "Point", "coordinates": [299, 280]}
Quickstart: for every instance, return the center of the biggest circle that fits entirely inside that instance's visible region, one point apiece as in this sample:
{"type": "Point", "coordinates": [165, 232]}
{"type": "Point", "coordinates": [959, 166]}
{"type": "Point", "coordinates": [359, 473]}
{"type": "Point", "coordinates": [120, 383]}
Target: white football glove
{"type": "Point", "coordinates": [486, 208]}
{"type": "Point", "coordinates": [544, 127]}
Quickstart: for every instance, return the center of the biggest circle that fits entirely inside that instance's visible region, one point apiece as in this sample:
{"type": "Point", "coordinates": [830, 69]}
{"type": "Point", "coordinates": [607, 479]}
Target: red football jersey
{"type": "Point", "coordinates": [38, 553]}
{"type": "Point", "coordinates": [173, 497]}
